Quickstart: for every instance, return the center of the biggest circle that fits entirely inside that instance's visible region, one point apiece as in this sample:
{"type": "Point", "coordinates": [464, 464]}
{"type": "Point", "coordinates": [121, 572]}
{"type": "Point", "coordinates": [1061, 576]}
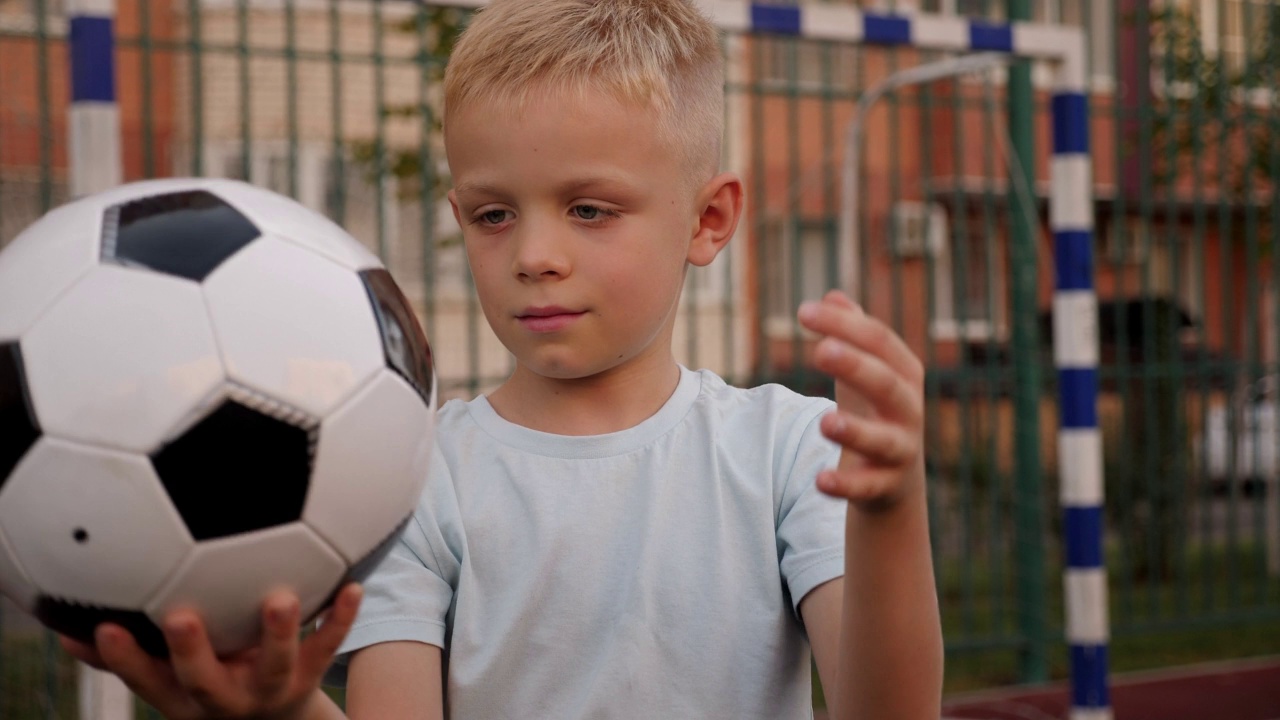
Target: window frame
{"type": "Point", "coordinates": [779, 304]}
{"type": "Point", "coordinates": [945, 325]}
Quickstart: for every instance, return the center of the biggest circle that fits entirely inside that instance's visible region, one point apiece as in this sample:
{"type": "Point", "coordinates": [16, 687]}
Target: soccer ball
{"type": "Point", "coordinates": [207, 391]}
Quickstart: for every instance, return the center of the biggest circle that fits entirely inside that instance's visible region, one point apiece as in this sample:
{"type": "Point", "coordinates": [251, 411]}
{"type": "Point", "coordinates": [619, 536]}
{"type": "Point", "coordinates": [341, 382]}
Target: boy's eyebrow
{"type": "Point", "coordinates": [599, 181]}
{"type": "Point", "coordinates": [569, 187]}
{"type": "Point", "coordinates": [474, 187]}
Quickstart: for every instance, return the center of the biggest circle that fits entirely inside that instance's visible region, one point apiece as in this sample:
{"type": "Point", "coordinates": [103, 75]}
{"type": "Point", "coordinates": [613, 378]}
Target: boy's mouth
{"type": "Point", "coordinates": [548, 319]}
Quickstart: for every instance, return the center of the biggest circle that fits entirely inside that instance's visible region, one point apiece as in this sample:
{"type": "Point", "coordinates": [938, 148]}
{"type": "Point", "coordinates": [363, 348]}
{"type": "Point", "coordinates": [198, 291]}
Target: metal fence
{"type": "Point", "coordinates": [335, 102]}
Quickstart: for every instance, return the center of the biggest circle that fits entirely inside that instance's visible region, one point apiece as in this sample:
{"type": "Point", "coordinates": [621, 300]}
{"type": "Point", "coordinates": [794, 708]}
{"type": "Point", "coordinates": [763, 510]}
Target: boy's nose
{"type": "Point", "coordinates": [540, 255]}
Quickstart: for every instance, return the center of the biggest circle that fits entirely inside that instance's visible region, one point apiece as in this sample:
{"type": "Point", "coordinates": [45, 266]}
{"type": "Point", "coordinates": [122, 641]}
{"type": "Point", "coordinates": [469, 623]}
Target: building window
{"type": "Point", "coordinates": [992, 10]}
{"type": "Point", "coordinates": [1097, 18]}
{"type": "Point", "coordinates": [785, 63]}
{"type": "Point", "coordinates": [344, 191]}
{"type": "Point", "coordinates": [306, 171]}
{"type": "Point", "coordinates": [1228, 43]}
{"type": "Point", "coordinates": [1165, 256]}
{"type": "Point", "coordinates": [900, 7]}
{"type": "Point", "coordinates": [1237, 30]}
{"type": "Point", "coordinates": [797, 263]}
{"type": "Point", "coordinates": [29, 8]}
{"type": "Point", "coordinates": [20, 16]}
{"type": "Point", "coordinates": [416, 245]}
{"type": "Point", "coordinates": [282, 174]}
{"type": "Point", "coordinates": [22, 200]}
{"type": "Point", "coordinates": [966, 278]}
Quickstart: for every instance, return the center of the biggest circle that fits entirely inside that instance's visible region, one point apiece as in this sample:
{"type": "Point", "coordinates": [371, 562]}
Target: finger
{"type": "Point", "coordinates": [880, 444]}
{"type": "Point", "coordinates": [858, 488]}
{"type": "Point", "coordinates": [196, 665]}
{"type": "Point", "coordinates": [318, 649]}
{"type": "Point", "coordinates": [279, 652]}
{"type": "Point", "coordinates": [83, 652]}
{"type": "Point", "coordinates": [838, 297]}
{"type": "Point", "coordinates": [869, 489]}
{"type": "Point", "coordinates": [862, 331]}
{"type": "Point", "coordinates": [844, 319]}
{"type": "Point", "coordinates": [888, 391]}
{"type": "Point", "coordinates": [140, 672]}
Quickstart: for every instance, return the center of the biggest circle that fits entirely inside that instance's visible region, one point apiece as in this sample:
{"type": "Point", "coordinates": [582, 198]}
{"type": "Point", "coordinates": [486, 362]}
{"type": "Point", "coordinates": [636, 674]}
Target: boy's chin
{"type": "Point", "coordinates": [568, 369]}
{"type": "Point", "coordinates": [563, 371]}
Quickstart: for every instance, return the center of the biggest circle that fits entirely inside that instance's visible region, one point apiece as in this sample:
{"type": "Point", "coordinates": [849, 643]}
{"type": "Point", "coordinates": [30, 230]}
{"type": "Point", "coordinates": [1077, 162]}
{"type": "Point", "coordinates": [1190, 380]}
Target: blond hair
{"type": "Point", "coordinates": [663, 54]}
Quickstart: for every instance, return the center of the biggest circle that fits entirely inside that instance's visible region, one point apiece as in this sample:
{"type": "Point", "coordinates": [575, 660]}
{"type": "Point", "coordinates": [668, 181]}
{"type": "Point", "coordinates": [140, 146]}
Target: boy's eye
{"type": "Point", "coordinates": [587, 212]}
{"type": "Point", "coordinates": [493, 217]}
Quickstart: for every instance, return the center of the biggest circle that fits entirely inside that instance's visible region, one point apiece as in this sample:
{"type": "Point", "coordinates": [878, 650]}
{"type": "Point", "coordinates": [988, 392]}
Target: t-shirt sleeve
{"type": "Point", "coordinates": [810, 523]}
{"type": "Point", "coordinates": [408, 596]}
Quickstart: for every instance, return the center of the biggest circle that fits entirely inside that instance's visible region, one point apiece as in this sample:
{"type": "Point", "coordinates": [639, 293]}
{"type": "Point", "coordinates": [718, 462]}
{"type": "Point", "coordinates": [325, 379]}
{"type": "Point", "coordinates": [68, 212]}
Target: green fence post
{"type": "Point", "coordinates": [1028, 497]}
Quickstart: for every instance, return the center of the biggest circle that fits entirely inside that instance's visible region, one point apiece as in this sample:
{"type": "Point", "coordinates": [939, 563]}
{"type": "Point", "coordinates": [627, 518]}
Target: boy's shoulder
{"type": "Point", "coordinates": [771, 401]}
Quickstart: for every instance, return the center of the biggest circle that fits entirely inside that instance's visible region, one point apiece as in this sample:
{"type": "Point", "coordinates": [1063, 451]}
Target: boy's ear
{"type": "Point", "coordinates": [719, 207]}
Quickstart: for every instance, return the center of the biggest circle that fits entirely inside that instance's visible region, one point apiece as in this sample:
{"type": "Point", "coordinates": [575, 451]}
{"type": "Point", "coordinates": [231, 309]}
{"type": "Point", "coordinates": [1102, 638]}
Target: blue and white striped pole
{"type": "Point", "coordinates": [1075, 354]}
{"type": "Point", "coordinates": [94, 125]}
{"type": "Point", "coordinates": [94, 130]}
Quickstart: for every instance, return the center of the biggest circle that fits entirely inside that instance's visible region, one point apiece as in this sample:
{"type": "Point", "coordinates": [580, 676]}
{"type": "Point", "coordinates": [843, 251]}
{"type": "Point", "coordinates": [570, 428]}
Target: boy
{"type": "Point", "coordinates": [607, 533]}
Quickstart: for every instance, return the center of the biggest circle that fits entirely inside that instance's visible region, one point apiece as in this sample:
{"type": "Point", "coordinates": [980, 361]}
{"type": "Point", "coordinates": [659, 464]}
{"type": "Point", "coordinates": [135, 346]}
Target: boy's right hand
{"type": "Point", "coordinates": [279, 679]}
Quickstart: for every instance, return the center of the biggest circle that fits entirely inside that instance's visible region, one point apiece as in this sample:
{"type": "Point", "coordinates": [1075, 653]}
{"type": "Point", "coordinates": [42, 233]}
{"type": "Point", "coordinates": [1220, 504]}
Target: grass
{"type": "Point", "coordinates": [972, 670]}
{"type": "Point", "coordinates": [978, 670]}
{"type": "Point", "coordinates": [1220, 608]}
{"type": "Point", "coordinates": [37, 680]}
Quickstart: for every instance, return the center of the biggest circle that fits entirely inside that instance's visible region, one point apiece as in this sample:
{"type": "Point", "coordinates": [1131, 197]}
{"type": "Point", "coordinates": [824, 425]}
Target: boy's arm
{"type": "Point", "coordinates": [876, 633]}
{"type": "Point", "coordinates": [396, 680]}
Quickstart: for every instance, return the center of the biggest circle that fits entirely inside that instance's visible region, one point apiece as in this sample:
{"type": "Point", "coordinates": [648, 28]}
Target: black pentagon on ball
{"type": "Point", "coordinates": [188, 234]}
{"type": "Point", "coordinates": [236, 471]}
{"type": "Point", "coordinates": [18, 427]}
{"type": "Point", "coordinates": [403, 341]}
{"type": "Point", "coordinates": [79, 621]}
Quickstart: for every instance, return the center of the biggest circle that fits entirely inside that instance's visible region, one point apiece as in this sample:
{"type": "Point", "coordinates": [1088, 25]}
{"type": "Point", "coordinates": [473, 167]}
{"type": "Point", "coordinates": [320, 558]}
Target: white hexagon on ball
{"type": "Point", "coordinates": [122, 343]}
{"type": "Point", "coordinates": [280, 216]}
{"type": "Point", "coordinates": [83, 519]}
{"type": "Point", "coordinates": [43, 261]}
{"type": "Point", "coordinates": [294, 325]}
{"type": "Point", "coordinates": [383, 436]}
{"type": "Point", "coordinates": [226, 581]}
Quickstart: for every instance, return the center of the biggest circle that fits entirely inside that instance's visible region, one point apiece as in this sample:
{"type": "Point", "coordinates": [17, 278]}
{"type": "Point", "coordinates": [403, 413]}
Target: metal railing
{"type": "Point", "coordinates": [335, 102]}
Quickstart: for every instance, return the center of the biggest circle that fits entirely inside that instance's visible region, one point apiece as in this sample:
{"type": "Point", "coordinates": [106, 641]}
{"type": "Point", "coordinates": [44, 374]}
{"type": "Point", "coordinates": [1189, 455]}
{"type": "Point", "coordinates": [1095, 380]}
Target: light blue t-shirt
{"type": "Point", "coordinates": [649, 573]}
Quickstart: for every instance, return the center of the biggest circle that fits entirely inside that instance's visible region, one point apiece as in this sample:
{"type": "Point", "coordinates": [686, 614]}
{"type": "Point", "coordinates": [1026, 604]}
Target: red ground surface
{"type": "Point", "coordinates": [1239, 690]}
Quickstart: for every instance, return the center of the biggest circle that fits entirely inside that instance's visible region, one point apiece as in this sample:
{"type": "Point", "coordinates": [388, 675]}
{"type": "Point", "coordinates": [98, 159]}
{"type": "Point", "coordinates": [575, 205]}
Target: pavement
{"type": "Point", "coordinates": [1234, 690]}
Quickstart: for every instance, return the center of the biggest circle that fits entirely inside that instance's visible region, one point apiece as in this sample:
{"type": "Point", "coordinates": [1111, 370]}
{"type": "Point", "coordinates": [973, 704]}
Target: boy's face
{"type": "Point", "coordinates": [577, 218]}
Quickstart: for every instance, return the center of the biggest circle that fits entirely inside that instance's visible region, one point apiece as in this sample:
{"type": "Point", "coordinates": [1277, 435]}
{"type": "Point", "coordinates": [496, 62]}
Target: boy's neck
{"type": "Point", "coordinates": [611, 401]}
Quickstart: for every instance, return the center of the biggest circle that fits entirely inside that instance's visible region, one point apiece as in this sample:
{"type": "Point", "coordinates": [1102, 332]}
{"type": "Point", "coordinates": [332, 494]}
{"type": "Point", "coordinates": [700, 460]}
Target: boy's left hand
{"type": "Point", "coordinates": [879, 420]}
